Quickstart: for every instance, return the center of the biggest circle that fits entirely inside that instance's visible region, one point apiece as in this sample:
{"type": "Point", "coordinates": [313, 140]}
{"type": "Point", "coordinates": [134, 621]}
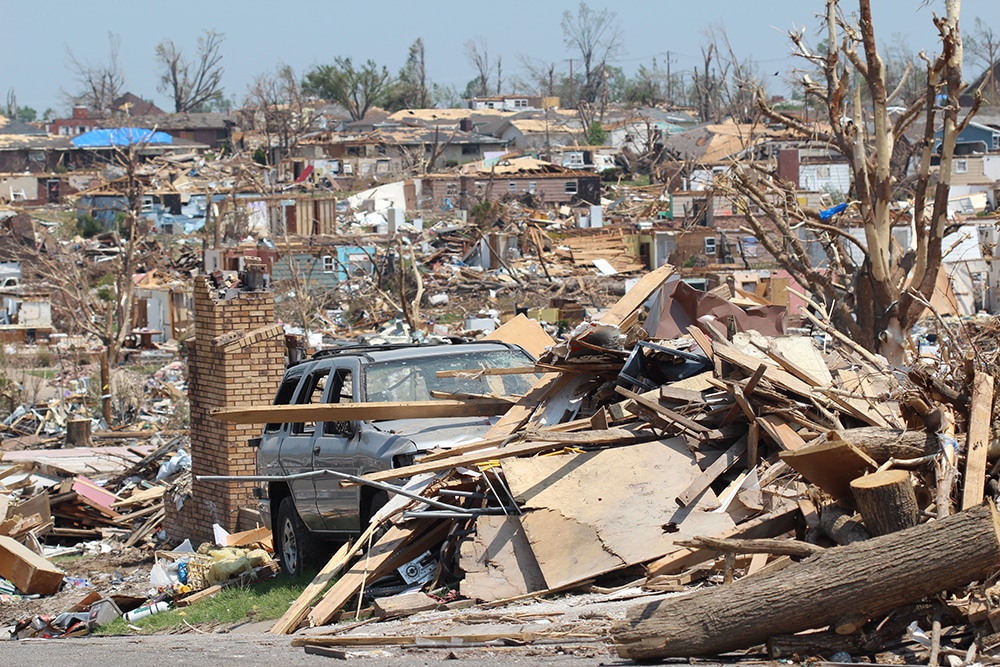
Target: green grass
{"type": "Point", "coordinates": [44, 373]}
{"type": "Point", "coordinates": [261, 602]}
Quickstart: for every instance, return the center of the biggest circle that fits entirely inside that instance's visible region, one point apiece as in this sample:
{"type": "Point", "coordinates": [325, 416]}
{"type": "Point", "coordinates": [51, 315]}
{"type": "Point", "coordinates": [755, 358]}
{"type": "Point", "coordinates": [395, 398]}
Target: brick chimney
{"type": "Point", "coordinates": [788, 165]}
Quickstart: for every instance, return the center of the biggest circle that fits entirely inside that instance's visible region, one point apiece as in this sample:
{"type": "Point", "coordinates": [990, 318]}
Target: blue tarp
{"type": "Point", "coordinates": [830, 212]}
{"type": "Point", "coordinates": [121, 136]}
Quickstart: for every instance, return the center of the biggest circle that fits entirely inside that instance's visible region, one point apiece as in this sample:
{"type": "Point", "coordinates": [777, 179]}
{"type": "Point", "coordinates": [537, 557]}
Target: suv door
{"type": "Point", "coordinates": [335, 448]}
{"type": "Point", "coordinates": [297, 447]}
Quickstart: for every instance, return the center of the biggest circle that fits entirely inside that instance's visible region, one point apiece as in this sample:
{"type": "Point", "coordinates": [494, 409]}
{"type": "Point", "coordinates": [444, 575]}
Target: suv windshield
{"type": "Point", "coordinates": [414, 379]}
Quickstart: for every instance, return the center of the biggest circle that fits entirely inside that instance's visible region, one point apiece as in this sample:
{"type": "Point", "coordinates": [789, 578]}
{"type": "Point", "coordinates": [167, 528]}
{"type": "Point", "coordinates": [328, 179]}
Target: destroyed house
{"type": "Point", "coordinates": [213, 129]}
{"type": "Point", "coordinates": [392, 150]}
{"type": "Point", "coordinates": [323, 266]}
{"type": "Point", "coordinates": [543, 182]}
{"type": "Point", "coordinates": [26, 148]}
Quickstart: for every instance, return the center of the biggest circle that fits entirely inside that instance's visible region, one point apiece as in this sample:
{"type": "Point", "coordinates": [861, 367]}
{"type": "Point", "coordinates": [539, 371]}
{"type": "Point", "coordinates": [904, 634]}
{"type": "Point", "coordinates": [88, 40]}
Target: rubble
{"type": "Point", "coordinates": [719, 459]}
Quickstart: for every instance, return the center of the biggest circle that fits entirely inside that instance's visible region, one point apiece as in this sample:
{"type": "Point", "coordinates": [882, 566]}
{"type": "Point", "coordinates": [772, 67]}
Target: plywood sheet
{"type": "Point", "coordinates": [498, 561]}
{"type": "Point", "coordinates": [595, 512]}
{"type": "Point", "coordinates": [525, 332]}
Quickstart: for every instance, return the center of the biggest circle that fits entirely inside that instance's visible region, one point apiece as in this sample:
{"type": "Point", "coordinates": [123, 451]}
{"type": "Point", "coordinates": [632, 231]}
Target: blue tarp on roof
{"type": "Point", "coordinates": [121, 136]}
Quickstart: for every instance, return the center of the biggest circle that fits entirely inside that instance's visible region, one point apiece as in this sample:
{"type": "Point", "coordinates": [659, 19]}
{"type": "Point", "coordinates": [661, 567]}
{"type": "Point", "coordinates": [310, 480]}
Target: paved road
{"type": "Point", "coordinates": [250, 650]}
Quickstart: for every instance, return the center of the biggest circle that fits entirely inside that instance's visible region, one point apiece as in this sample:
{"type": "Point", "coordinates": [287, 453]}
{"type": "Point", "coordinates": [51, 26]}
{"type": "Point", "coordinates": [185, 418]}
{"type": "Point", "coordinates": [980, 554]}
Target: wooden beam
{"type": "Point", "coordinates": [689, 425]}
{"type": "Point", "coordinates": [472, 458]}
{"type": "Point", "coordinates": [720, 465]}
{"type": "Point", "coordinates": [315, 412]}
{"type": "Point", "coordinates": [635, 297]}
{"type": "Point", "coordinates": [980, 418]}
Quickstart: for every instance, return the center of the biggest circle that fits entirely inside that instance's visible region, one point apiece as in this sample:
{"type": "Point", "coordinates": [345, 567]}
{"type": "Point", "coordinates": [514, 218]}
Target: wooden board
{"type": "Point", "coordinates": [525, 332]}
{"type": "Point", "coordinates": [779, 430]}
{"type": "Point", "coordinates": [724, 462]}
{"type": "Point", "coordinates": [498, 561]}
{"type": "Point", "coordinates": [629, 304]}
{"type": "Point", "coordinates": [472, 458]}
{"type": "Point", "coordinates": [315, 412]}
{"type": "Point", "coordinates": [596, 512]}
{"type": "Point", "coordinates": [28, 571]}
{"type": "Point", "coordinates": [514, 418]}
{"type": "Point", "coordinates": [830, 465]}
{"type": "Point", "coordinates": [403, 604]}
{"type": "Point", "coordinates": [980, 418]}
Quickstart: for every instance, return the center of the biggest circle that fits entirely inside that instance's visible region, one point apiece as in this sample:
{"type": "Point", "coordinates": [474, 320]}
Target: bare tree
{"type": "Point", "coordinates": [275, 105]}
{"type": "Point", "coordinates": [727, 84]}
{"type": "Point", "coordinates": [99, 85]}
{"type": "Point", "coordinates": [877, 298]}
{"type": "Point", "coordinates": [192, 83]}
{"type": "Point", "coordinates": [98, 299]}
{"type": "Point", "coordinates": [597, 37]}
{"type": "Point", "coordinates": [412, 89]}
{"type": "Point", "coordinates": [478, 55]}
{"type": "Point", "coordinates": [984, 47]}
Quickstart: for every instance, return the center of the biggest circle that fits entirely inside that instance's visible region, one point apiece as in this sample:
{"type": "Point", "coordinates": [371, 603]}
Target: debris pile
{"type": "Point", "coordinates": [819, 502]}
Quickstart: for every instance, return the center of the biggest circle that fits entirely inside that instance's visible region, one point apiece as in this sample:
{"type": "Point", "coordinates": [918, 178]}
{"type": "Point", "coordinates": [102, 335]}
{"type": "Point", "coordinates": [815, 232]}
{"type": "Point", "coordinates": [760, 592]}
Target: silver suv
{"type": "Point", "coordinates": [306, 513]}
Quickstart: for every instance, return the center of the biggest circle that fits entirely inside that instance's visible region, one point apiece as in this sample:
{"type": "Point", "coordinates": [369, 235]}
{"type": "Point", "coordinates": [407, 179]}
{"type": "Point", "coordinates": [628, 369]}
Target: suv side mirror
{"type": "Point", "coordinates": [254, 442]}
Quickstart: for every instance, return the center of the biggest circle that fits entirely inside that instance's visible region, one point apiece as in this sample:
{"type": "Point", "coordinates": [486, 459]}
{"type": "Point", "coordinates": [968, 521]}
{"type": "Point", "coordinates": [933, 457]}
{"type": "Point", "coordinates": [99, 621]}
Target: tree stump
{"type": "Point", "coordinates": [887, 501]}
{"type": "Point", "coordinates": [78, 433]}
{"type": "Point", "coordinates": [867, 578]}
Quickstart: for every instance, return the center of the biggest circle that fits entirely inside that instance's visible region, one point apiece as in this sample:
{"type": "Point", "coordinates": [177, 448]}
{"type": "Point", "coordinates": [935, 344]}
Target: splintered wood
{"type": "Point", "coordinates": [800, 479]}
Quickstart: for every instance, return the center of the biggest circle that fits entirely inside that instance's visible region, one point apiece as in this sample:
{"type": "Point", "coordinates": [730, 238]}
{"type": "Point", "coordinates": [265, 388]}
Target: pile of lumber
{"type": "Point", "coordinates": [802, 489]}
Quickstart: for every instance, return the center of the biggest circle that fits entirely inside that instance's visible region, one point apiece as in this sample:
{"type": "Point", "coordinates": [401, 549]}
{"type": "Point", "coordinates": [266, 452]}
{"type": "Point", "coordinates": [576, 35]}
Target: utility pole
{"type": "Point", "coordinates": [670, 82]}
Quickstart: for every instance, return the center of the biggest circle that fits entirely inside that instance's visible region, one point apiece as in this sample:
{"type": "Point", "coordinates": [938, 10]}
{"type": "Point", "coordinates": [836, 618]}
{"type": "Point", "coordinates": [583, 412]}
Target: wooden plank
{"type": "Point", "coordinates": [394, 549]}
{"type": "Point", "coordinates": [635, 297]}
{"type": "Point", "coordinates": [486, 443]}
{"type": "Point", "coordinates": [783, 435]}
{"type": "Point", "coordinates": [704, 342]}
{"type": "Point", "coordinates": [141, 496]}
{"type": "Point", "coordinates": [297, 613]}
{"type": "Point", "coordinates": [689, 425]}
{"type": "Point", "coordinates": [374, 410]}
{"type": "Point", "coordinates": [610, 436]}
{"type": "Point", "coordinates": [675, 395]}
{"type": "Point", "coordinates": [772, 374]}
{"type": "Point", "coordinates": [456, 640]}
{"type": "Point", "coordinates": [472, 458]}
{"type": "Point", "coordinates": [404, 604]}
{"type": "Point", "coordinates": [199, 596]}
{"type": "Point", "coordinates": [719, 466]}
{"type": "Point", "coordinates": [497, 561]}
{"type": "Point", "coordinates": [830, 465]}
{"type": "Point", "coordinates": [980, 418]}
{"type": "Point", "coordinates": [248, 537]}
{"type": "Point", "coordinates": [514, 418]}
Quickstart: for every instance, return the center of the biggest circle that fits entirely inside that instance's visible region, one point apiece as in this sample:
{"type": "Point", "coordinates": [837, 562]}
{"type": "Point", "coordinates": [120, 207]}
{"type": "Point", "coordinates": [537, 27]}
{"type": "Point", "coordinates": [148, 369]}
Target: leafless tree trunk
{"type": "Point", "coordinates": [99, 84]}
{"type": "Point", "coordinates": [191, 84]}
{"type": "Point", "coordinates": [597, 37]}
{"type": "Point", "coordinates": [478, 55]}
{"type": "Point", "coordinates": [869, 301]}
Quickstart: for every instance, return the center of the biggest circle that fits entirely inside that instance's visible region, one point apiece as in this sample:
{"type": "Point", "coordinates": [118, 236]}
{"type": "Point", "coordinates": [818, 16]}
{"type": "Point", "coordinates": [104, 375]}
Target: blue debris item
{"type": "Point", "coordinates": [830, 212]}
{"type": "Point", "coordinates": [121, 136]}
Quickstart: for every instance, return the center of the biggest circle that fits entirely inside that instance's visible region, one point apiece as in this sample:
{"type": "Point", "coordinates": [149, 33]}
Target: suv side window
{"type": "Point", "coordinates": [285, 392]}
{"type": "Point", "coordinates": [341, 391]}
{"type": "Point", "coordinates": [313, 387]}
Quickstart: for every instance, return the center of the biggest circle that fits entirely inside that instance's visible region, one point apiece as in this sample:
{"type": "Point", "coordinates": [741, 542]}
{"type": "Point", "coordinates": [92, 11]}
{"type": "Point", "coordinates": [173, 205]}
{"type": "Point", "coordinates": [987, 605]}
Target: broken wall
{"type": "Point", "coordinates": [234, 373]}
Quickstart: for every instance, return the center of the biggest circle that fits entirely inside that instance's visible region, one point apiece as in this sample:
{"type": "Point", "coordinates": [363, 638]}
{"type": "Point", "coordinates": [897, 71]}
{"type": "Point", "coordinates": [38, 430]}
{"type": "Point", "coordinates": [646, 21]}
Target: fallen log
{"type": "Point", "coordinates": [883, 444]}
{"type": "Point", "coordinates": [862, 579]}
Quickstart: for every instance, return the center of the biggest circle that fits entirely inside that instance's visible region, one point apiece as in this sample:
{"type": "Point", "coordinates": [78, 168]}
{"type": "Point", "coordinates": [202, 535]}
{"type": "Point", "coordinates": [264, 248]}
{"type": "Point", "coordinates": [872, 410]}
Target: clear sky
{"type": "Point", "coordinates": [302, 33]}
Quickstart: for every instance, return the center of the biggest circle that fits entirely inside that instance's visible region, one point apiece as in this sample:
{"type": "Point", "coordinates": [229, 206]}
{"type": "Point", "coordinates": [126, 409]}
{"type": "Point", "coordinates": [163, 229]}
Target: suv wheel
{"type": "Point", "coordinates": [294, 544]}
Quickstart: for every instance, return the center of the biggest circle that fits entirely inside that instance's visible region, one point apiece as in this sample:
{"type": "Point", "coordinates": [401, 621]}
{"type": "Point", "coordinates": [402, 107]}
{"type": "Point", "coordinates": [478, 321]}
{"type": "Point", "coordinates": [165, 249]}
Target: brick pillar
{"type": "Point", "coordinates": [243, 371]}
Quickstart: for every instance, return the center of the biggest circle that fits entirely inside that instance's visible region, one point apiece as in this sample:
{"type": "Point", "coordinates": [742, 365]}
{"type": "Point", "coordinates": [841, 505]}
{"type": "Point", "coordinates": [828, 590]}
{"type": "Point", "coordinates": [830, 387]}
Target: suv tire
{"type": "Point", "coordinates": [296, 547]}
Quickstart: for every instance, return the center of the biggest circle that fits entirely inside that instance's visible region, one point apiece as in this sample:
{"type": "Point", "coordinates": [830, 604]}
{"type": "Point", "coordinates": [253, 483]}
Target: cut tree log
{"type": "Point", "coordinates": [842, 526]}
{"type": "Point", "coordinates": [823, 589]}
{"type": "Point", "coordinates": [886, 501]}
